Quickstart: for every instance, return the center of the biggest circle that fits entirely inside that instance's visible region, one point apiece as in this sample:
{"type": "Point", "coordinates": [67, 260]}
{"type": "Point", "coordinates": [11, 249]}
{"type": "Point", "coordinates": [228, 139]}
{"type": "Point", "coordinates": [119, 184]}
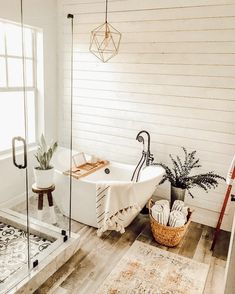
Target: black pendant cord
{"type": "Point", "coordinates": [25, 130]}
{"type": "Point", "coordinates": [71, 16]}
{"type": "Point", "coordinates": [106, 12]}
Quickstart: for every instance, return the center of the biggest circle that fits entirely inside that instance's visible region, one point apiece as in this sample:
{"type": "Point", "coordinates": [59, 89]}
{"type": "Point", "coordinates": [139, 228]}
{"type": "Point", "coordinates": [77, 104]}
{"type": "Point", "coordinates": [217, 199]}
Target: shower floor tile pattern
{"type": "Point", "coordinates": [14, 249]}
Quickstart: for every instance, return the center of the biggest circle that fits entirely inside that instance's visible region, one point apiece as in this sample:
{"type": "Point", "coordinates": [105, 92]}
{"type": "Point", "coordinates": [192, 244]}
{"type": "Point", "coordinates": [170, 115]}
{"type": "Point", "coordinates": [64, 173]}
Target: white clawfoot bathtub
{"type": "Point", "coordinates": [84, 189]}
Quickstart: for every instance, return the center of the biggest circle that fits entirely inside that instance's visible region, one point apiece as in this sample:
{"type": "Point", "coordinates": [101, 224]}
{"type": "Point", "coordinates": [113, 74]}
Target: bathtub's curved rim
{"type": "Point", "coordinates": [120, 165]}
{"type": "Point", "coordinates": [125, 166]}
{"type": "Point", "coordinates": [130, 167]}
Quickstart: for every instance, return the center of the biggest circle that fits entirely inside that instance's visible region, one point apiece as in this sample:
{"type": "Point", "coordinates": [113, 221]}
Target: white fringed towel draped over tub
{"type": "Point", "coordinates": [115, 203]}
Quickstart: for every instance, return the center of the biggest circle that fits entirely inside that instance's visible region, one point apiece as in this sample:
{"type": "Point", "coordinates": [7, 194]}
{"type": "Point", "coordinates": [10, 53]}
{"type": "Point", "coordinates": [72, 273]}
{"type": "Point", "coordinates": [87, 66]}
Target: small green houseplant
{"type": "Point", "coordinates": [181, 179]}
{"type": "Point", "coordinates": [44, 172]}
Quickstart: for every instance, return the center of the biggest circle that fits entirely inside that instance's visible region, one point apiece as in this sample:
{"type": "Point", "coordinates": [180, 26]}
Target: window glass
{"type": "Point", "coordinates": [15, 72]}
{"type": "Point", "coordinates": [28, 42]}
{"type": "Point", "coordinates": [14, 40]}
{"type": "Point", "coordinates": [12, 115]}
{"type": "Point", "coordinates": [31, 116]}
{"type": "Point", "coordinates": [2, 72]}
{"type": "Point", "coordinates": [2, 43]}
{"type": "Point", "coordinates": [29, 73]}
{"type": "Point", "coordinates": [11, 76]}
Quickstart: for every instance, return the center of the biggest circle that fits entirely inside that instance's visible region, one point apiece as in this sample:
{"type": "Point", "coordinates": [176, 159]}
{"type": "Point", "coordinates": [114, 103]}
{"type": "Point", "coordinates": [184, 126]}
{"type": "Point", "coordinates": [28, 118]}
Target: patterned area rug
{"type": "Point", "coordinates": [147, 269]}
{"type": "Point", "coordinates": [13, 249]}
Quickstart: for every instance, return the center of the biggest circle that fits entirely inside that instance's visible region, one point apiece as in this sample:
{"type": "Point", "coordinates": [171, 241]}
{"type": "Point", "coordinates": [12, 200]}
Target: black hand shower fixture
{"type": "Point", "coordinates": [146, 157]}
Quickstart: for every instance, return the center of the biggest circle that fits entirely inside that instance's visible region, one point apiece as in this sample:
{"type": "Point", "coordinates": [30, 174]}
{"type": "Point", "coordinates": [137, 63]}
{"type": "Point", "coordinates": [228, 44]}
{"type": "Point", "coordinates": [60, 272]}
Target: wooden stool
{"type": "Point", "coordinates": [48, 192]}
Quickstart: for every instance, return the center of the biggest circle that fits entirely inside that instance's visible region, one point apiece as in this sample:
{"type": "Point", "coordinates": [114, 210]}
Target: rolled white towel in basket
{"type": "Point", "coordinates": [161, 211]}
{"type": "Point", "coordinates": [180, 206]}
{"type": "Point", "coordinates": [163, 202]}
{"type": "Point", "coordinates": [177, 219]}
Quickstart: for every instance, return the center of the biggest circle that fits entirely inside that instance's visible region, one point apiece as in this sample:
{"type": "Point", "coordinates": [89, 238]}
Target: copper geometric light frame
{"type": "Point", "coordinates": [105, 40]}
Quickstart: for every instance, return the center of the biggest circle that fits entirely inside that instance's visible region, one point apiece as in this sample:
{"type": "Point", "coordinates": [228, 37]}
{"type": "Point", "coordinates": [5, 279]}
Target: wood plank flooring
{"type": "Point", "coordinates": [88, 268]}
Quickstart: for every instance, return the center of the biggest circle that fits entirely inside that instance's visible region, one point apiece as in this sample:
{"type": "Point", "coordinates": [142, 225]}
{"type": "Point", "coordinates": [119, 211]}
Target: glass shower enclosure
{"type": "Point", "coordinates": [32, 227]}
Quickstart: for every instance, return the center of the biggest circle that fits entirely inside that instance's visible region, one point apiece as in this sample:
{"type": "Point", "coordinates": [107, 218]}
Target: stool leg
{"type": "Point", "coordinates": [40, 206]}
{"type": "Point", "coordinates": [51, 207]}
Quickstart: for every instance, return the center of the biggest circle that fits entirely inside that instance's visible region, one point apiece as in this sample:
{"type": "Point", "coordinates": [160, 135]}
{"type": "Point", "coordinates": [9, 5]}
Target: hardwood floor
{"type": "Point", "coordinates": [86, 270]}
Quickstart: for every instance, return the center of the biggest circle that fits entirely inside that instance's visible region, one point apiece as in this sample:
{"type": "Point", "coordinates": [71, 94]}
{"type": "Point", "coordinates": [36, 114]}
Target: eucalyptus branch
{"type": "Point", "coordinates": [179, 174]}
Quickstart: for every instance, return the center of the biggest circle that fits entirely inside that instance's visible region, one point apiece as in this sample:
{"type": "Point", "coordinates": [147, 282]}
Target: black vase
{"type": "Point", "coordinates": [177, 194]}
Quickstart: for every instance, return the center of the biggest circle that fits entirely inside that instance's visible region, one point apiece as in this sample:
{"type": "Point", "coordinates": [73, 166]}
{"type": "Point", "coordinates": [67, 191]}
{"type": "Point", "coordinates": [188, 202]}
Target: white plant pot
{"type": "Point", "coordinates": [44, 178]}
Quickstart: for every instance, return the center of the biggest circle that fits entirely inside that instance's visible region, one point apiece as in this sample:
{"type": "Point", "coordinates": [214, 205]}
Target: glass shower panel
{"type": "Point", "coordinates": [49, 224]}
{"type": "Point", "coordinates": [34, 219]}
{"type": "Point", "coordinates": [14, 238]}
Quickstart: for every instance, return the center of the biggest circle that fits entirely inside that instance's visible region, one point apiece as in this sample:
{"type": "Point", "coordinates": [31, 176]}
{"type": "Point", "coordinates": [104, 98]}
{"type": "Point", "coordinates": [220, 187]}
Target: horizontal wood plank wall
{"type": "Point", "coordinates": [174, 76]}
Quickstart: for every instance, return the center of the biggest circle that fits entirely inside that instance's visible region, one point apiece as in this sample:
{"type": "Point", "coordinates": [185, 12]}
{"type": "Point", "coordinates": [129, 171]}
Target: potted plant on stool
{"type": "Point", "coordinates": [44, 173]}
{"type": "Point", "coordinates": [181, 179]}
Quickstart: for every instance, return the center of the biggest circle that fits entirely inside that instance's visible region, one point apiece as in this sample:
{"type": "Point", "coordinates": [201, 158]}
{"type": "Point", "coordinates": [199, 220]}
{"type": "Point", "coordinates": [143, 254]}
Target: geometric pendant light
{"type": "Point", "coordinates": [105, 40]}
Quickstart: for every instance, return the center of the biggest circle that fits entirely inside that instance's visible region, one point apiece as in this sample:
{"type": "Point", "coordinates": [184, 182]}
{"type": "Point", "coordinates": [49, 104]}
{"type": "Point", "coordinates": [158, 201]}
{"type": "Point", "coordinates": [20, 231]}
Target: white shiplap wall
{"type": "Point", "coordinates": [174, 76]}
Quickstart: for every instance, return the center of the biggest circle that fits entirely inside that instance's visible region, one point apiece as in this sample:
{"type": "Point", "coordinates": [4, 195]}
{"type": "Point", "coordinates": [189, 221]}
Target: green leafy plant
{"type": "Point", "coordinates": [44, 154]}
{"type": "Point", "coordinates": [179, 176]}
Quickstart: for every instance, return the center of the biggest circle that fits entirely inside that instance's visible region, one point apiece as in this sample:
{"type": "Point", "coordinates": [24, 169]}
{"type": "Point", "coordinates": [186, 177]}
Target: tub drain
{"type": "Point", "coordinates": [107, 171]}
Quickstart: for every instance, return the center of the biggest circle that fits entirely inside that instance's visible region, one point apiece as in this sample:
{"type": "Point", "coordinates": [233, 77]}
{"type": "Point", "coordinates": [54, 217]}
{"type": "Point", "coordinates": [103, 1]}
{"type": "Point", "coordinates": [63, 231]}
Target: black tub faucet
{"type": "Point", "coordinates": [147, 156]}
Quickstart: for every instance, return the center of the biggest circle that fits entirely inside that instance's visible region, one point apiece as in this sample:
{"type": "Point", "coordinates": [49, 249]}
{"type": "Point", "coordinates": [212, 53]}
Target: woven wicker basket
{"type": "Point", "coordinates": [166, 235]}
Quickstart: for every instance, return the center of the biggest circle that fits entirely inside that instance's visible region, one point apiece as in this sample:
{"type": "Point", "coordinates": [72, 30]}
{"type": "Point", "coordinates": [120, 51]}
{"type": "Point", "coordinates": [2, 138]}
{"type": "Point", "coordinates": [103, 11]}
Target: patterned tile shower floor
{"type": "Point", "coordinates": [13, 249]}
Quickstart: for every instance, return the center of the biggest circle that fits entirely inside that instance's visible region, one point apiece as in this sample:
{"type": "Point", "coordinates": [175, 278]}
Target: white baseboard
{"type": "Point", "coordinates": [210, 218]}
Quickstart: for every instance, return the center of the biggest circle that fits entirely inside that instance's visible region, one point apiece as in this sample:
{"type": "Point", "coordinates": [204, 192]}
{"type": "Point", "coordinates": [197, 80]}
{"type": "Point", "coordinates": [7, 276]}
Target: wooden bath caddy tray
{"type": "Point", "coordinates": [86, 169]}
